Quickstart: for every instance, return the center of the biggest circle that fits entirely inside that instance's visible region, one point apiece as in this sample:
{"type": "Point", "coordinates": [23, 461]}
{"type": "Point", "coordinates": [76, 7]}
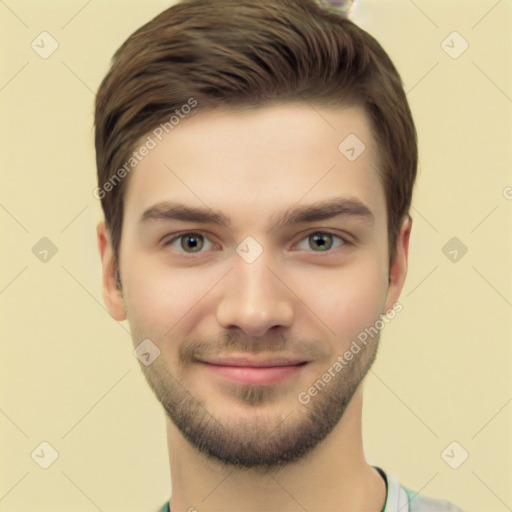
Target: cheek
{"type": "Point", "coordinates": [163, 302]}
{"type": "Point", "coordinates": [160, 299]}
{"type": "Point", "coordinates": [347, 299]}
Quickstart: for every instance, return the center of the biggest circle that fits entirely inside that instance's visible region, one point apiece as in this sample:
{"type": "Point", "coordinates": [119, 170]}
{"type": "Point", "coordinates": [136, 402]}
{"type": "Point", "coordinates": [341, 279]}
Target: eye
{"type": "Point", "coordinates": [194, 242]}
{"type": "Point", "coordinates": [190, 243]}
{"type": "Point", "coordinates": [321, 241]}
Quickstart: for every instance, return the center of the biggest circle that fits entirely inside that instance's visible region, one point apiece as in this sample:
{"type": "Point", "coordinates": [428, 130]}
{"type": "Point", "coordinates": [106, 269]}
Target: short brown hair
{"type": "Point", "coordinates": [240, 53]}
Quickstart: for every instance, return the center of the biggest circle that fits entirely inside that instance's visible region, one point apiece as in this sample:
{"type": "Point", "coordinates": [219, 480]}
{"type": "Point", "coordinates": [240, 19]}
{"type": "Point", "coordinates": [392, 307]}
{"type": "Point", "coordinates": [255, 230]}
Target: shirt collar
{"type": "Point", "coordinates": [396, 497]}
{"type": "Point", "coordinates": [396, 500]}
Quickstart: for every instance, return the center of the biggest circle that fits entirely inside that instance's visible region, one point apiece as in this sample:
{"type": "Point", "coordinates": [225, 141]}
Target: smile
{"type": "Point", "coordinates": [256, 375]}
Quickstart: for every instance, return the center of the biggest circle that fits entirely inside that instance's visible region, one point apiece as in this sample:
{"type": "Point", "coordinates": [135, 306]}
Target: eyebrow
{"type": "Point", "coordinates": [320, 210]}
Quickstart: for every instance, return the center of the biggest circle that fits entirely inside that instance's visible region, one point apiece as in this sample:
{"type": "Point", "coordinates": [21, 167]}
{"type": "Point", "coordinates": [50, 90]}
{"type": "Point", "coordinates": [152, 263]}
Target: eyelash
{"type": "Point", "coordinates": [168, 242]}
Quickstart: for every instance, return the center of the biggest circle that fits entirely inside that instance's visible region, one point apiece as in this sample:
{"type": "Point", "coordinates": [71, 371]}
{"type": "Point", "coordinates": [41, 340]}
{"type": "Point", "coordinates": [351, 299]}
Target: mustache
{"type": "Point", "coordinates": [227, 343]}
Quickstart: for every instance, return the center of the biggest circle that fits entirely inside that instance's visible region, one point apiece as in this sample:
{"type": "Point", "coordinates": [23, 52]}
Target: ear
{"type": "Point", "coordinates": [398, 267]}
{"type": "Point", "coordinates": [112, 294]}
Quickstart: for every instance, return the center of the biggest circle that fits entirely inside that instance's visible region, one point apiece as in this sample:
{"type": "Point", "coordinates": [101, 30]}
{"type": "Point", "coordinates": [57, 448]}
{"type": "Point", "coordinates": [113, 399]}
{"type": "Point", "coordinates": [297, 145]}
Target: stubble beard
{"type": "Point", "coordinates": [263, 437]}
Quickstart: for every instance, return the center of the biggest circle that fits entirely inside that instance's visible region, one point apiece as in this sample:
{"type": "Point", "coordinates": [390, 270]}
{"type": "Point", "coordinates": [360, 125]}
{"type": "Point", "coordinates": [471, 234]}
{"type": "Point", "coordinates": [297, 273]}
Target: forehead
{"type": "Point", "coordinates": [251, 163]}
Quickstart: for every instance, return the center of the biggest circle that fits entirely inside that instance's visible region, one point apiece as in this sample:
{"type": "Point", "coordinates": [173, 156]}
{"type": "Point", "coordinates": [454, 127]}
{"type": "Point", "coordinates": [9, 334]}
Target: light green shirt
{"type": "Point", "coordinates": [399, 499]}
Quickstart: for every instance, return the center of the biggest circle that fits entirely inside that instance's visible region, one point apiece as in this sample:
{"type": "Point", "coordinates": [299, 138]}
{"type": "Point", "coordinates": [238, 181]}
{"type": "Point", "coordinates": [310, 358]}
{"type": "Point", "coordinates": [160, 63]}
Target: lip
{"type": "Point", "coordinates": [253, 362]}
{"type": "Point", "coordinates": [255, 371]}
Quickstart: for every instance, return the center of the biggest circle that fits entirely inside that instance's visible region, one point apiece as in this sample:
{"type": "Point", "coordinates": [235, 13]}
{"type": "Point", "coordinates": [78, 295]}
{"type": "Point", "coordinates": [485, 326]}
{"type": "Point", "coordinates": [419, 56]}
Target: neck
{"type": "Point", "coordinates": [333, 476]}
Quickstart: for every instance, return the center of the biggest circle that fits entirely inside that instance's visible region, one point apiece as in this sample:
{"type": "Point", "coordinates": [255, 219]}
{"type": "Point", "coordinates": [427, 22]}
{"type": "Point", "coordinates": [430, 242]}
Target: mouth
{"type": "Point", "coordinates": [255, 371]}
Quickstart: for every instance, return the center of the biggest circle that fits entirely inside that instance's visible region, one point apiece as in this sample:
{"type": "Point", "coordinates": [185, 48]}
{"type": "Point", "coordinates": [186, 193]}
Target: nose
{"type": "Point", "coordinates": [255, 299]}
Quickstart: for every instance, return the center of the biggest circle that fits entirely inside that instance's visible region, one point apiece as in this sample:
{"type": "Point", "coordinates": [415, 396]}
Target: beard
{"type": "Point", "coordinates": [261, 435]}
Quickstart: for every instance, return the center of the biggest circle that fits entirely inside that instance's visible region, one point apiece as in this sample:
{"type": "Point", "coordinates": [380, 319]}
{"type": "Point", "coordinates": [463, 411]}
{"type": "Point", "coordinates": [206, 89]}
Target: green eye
{"type": "Point", "coordinates": [193, 242]}
{"type": "Point", "coordinates": [189, 242]}
{"type": "Point", "coordinates": [321, 241]}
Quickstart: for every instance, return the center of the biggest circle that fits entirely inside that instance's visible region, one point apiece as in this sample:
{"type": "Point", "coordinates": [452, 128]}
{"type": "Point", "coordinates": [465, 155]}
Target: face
{"type": "Point", "coordinates": [253, 253]}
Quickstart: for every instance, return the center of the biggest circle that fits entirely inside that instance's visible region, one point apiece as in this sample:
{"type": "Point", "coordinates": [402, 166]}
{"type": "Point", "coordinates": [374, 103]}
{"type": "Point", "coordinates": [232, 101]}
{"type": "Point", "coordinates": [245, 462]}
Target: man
{"type": "Point", "coordinates": [256, 161]}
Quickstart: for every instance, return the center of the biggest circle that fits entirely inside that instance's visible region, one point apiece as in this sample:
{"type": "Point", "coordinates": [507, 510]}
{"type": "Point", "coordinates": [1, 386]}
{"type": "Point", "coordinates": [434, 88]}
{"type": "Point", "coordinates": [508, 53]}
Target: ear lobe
{"type": "Point", "coordinates": [110, 289]}
{"type": "Point", "coordinates": [398, 267]}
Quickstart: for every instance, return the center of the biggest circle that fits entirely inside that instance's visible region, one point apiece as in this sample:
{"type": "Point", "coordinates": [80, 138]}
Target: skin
{"type": "Point", "coordinates": [298, 298]}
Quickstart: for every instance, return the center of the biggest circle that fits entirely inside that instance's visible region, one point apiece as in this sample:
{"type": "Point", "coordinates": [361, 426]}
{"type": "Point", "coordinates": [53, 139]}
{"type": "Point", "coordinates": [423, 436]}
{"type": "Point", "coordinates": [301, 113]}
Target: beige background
{"type": "Point", "coordinates": [68, 375]}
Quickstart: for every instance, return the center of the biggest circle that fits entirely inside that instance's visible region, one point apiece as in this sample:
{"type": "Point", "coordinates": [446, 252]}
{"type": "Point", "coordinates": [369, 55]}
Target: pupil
{"type": "Point", "coordinates": [319, 239]}
{"type": "Point", "coordinates": [192, 243]}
